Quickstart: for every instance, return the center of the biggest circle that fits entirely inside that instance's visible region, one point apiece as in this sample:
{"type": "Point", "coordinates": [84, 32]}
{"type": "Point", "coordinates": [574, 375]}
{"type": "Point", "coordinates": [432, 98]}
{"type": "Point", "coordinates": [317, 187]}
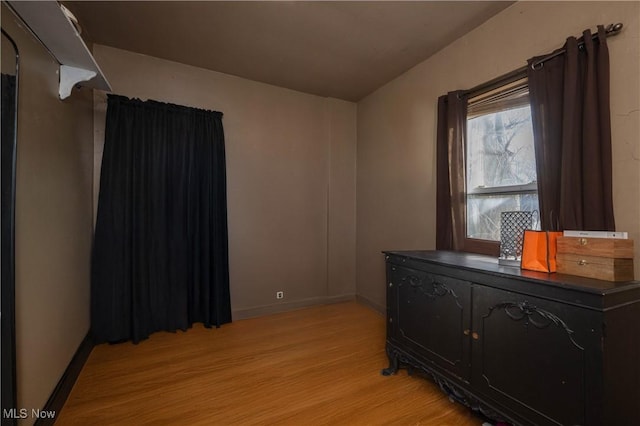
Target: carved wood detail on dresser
{"type": "Point", "coordinates": [523, 347]}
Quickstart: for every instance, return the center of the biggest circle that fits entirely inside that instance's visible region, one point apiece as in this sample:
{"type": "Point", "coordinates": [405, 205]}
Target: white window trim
{"type": "Point", "coordinates": [528, 188]}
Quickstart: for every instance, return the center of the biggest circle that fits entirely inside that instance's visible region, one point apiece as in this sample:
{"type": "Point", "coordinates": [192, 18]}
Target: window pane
{"type": "Point", "coordinates": [483, 212]}
{"type": "Point", "coordinates": [500, 149]}
{"type": "Point", "coordinates": [499, 153]}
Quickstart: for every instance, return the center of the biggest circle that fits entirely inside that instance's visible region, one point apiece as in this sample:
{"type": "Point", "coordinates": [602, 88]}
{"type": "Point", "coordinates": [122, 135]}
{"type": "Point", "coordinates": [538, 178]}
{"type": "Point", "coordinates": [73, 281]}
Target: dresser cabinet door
{"type": "Point", "coordinates": [432, 318]}
{"type": "Point", "coordinates": [532, 355]}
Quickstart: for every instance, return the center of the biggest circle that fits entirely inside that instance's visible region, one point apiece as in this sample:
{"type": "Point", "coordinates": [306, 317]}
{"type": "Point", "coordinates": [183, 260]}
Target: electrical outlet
{"type": "Point", "coordinates": [279, 294]}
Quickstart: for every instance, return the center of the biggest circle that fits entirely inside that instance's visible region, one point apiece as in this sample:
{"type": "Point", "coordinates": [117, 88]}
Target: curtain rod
{"type": "Point", "coordinates": [515, 75]}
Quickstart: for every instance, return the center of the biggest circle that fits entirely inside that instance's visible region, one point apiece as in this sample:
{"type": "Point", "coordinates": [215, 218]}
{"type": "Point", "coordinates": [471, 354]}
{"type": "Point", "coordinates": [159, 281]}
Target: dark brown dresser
{"type": "Point", "coordinates": [523, 347]}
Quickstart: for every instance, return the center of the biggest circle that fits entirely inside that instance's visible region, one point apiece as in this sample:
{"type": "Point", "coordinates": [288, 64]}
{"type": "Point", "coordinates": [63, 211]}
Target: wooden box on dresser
{"type": "Point", "coordinates": [524, 347]}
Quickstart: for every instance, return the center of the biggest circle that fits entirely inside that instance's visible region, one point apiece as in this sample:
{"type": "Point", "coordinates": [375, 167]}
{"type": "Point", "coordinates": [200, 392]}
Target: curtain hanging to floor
{"type": "Point", "coordinates": [160, 256]}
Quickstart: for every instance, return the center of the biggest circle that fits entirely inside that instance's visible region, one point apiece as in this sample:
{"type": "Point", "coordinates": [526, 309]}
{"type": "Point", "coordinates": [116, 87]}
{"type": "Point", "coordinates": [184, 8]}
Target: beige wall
{"type": "Point", "coordinates": [290, 177]}
{"type": "Point", "coordinates": [53, 221]}
{"type": "Point", "coordinates": [341, 218]}
{"type": "Point", "coordinates": [396, 124]}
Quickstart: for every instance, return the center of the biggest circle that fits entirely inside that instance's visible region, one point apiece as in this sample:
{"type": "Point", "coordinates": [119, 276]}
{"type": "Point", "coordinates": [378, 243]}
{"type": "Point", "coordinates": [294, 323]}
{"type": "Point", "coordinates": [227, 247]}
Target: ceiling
{"type": "Point", "coordinates": [344, 50]}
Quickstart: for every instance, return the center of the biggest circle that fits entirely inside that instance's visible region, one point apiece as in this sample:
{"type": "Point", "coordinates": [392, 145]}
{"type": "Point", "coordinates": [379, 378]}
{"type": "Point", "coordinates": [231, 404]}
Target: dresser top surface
{"type": "Point", "coordinates": [487, 264]}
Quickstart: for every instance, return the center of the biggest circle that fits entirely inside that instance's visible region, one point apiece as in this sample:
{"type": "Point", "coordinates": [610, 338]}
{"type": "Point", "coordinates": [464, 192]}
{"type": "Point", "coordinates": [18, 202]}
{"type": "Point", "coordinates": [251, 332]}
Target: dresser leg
{"type": "Point", "coordinates": [393, 364]}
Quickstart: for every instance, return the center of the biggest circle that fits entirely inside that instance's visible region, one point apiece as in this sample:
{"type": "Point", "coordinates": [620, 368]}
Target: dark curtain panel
{"type": "Point", "coordinates": [8, 287]}
{"type": "Point", "coordinates": [572, 136]}
{"type": "Point", "coordinates": [450, 171]}
{"type": "Point", "coordinates": [160, 259]}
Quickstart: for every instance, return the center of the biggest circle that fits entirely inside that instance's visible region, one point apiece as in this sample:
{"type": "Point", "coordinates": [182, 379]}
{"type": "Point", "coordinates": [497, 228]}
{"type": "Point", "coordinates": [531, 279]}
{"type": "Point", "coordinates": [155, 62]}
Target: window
{"type": "Point", "coordinates": [484, 148]}
{"type": "Point", "coordinates": [500, 160]}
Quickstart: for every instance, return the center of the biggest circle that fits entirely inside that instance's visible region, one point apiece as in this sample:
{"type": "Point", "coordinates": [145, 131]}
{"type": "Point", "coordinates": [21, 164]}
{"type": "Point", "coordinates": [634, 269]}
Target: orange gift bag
{"type": "Point", "coordinates": [539, 250]}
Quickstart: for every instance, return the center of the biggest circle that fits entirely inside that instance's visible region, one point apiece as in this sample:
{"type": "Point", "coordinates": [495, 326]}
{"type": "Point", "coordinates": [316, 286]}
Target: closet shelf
{"type": "Point", "coordinates": [51, 25]}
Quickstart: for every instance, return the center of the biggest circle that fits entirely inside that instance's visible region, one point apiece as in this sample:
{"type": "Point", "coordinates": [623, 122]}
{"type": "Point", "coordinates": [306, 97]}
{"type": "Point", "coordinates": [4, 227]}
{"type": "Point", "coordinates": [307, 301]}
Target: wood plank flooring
{"type": "Point", "coordinates": [314, 366]}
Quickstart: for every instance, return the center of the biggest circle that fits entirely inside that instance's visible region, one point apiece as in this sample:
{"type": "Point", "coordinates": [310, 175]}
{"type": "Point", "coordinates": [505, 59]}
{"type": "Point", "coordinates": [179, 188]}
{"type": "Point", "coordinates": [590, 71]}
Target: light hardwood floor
{"type": "Point", "coordinates": [314, 366]}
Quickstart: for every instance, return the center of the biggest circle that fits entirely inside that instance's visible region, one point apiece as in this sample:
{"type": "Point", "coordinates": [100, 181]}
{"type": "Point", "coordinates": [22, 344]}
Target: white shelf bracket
{"type": "Point", "coordinates": [70, 76]}
{"type": "Point", "coordinates": [56, 30]}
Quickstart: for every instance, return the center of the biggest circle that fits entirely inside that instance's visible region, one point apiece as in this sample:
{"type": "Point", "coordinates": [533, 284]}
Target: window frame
{"type": "Point", "coordinates": [496, 100]}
